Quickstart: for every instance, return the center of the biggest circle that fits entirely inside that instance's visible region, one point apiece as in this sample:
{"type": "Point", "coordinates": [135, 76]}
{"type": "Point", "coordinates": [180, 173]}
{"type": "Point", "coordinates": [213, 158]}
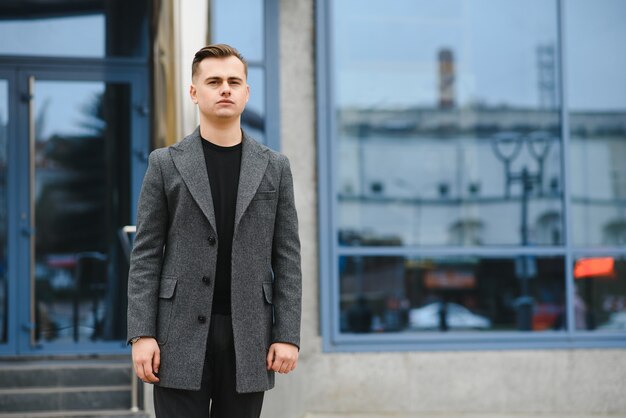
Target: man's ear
{"type": "Point", "coordinates": [192, 93]}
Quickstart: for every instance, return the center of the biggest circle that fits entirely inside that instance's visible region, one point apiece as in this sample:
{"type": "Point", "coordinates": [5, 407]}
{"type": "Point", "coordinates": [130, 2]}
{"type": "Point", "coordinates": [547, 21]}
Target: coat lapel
{"type": "Point", "coordinates": [188, 157]}
{"type": "Point", "coordinates": [254, 161]}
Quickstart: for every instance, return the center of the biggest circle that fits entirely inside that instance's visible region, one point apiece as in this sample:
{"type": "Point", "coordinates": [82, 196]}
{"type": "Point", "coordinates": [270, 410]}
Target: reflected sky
{"type": "Point", "coordinates": [62, 107]}
{"type": "Point", "coordinates": [386, 53]}
{"type": "Point", "coordinates": [229, 18]}
{"type": "Point", "coordinates": [596, 57]}
{"type": "Point", "coordinates": [4, 102]}
{"type": "Point", "coordinates": [76, 36]}
{"type": "Point", "coordinates": [257, 96]}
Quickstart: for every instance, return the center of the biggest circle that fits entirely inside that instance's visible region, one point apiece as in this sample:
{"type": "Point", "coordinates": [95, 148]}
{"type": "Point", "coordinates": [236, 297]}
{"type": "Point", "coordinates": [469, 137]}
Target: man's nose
{"type": "Point", "coordinates": [225, 88]}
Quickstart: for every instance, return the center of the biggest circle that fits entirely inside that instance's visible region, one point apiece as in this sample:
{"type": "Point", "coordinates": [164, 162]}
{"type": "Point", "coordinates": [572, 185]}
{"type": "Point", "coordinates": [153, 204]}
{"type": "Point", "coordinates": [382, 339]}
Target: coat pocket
{"type": "Point", "coordinates": [167, 288]}
{"type": "Point", "coordinates": [265, 195]}
{"type": "Point", "coordinates": [166, 304]}
{"type": "Point", "coordinates": [268, 291]}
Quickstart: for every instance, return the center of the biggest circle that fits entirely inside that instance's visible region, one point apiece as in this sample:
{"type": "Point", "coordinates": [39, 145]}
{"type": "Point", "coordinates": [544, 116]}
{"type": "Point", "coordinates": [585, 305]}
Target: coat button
{"type": "Point", "coordinates": [212, 240]}
{"type": "Point", "coordinates": [206, 280]}
{"type": "Point", "coordinates": [201, 319]}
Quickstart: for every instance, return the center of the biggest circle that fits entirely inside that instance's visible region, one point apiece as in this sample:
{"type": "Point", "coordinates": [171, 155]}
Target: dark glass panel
{"type": "Point", "coordinates": [600, 300]}
{"type": "Point", "coordinates": [83, 28]}
{"type": "Point", "coordinates": [82, 198]}
{"type": "Point", "coordinates": [451, 294]}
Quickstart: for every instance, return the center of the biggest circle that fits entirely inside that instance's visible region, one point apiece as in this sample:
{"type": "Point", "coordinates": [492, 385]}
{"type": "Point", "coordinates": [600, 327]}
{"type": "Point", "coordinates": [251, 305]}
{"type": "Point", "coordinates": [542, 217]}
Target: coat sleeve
{"type": "Point", "coordinates": [147, 255]}
{"type": "Point", "coordinates": [286, 264]}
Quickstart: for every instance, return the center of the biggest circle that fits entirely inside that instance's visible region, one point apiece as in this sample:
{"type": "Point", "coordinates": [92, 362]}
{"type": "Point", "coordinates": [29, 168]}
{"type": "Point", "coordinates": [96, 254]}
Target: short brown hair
{"type": "Point", "coordinates": [217, 51]}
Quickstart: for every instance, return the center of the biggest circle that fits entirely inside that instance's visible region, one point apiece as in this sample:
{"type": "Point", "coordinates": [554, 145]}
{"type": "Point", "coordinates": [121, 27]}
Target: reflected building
{"type": "Point", "coordinates": [437, 172]}
{"type": "Point", "coordinates": [456, 178]}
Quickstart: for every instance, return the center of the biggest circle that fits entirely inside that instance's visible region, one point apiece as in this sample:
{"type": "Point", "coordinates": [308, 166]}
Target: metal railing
{"type": "Point", "coordinates": [125, 241]}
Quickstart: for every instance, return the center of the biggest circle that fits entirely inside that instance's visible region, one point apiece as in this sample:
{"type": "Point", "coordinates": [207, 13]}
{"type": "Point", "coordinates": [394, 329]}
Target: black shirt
{"type": "Point", "coordinates": [223, 164]}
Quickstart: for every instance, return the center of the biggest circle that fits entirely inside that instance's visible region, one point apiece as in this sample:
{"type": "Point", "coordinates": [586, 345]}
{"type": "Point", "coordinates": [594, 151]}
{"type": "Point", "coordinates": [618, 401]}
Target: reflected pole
{"type": "Point", "coordinates": [507, 147]}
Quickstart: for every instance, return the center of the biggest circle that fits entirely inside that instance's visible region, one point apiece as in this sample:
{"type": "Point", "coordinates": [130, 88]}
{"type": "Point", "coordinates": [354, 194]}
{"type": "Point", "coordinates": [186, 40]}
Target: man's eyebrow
{"type": "Point", "coordinates": [215, 77]}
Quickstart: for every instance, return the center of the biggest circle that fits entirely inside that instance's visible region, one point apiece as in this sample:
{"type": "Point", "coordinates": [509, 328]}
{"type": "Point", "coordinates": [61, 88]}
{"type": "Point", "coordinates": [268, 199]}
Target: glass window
{"type": "Point", "coordinates": [419, 294]}
{"type": "Point", "coordinates": [253, 117]}
{"type": "Point", "coordinates": [229, 17]}
{"type": "Point", "coordinates": [448, 126]}
{"type": "Point", "coordinates": [443, 192]}
{"type": "Point", "coordinates": [82, 131]}
{"type": "Point", "coordinates": [243, 25]}
{"type": "Point", "coordinates": [94, 29]}
{"type": "Point", "coordinates": [600, 298]}
{"type": "Point", "coordinates": [597, 105]}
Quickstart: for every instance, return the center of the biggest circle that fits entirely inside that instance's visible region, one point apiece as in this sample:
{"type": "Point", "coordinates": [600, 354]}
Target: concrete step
{"type": "Point", "coordinates": [459, 415]}
{"type": "Point", "coordinates": [77, 414]}
{"type": "Point", "coordinates": [63, 398]}
{"type": "Point", "coordinates": [55, 373]}
{"type": "Point", "coordinates": [56, 388]}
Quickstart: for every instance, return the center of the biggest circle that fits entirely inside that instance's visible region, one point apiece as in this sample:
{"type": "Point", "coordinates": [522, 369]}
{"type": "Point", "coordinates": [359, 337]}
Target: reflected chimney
{"type": "Point", "coordinates": [446, 79]}
{"type": "Point", "coordinates": [546, 67]}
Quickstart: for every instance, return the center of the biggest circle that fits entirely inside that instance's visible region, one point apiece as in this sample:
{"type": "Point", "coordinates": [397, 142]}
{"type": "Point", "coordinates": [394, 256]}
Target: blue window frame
{"type": "Point", "coordinates": [469, 190]}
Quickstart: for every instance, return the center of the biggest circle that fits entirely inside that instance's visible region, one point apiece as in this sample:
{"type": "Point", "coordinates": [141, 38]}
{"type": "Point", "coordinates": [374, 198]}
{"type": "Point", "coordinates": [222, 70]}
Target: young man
{"type": "Point", "coordinates": [214, 289]}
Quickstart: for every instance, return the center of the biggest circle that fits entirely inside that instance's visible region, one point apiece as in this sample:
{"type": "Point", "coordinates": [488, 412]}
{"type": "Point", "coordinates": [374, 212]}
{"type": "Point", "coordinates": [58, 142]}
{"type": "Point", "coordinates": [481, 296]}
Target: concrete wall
{"type": "Point", "coordinates": [412, 384]}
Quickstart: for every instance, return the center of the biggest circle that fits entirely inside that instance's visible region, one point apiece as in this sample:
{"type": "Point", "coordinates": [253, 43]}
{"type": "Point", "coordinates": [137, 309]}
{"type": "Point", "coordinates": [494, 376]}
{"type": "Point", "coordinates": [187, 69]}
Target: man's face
{"type": "Point", "coordinates": [219, 88]}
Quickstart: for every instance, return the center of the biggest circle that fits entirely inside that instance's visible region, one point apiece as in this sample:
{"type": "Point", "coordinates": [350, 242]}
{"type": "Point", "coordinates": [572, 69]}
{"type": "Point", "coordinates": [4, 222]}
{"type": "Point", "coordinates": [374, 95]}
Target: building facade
{"type": "Point", "coordinates": [459, 170]}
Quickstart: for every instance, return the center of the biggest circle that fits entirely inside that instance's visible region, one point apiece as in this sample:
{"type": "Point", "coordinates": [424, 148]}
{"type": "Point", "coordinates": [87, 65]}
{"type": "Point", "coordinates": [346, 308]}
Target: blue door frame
{"type": "Point", "coordinates": [17, 72]}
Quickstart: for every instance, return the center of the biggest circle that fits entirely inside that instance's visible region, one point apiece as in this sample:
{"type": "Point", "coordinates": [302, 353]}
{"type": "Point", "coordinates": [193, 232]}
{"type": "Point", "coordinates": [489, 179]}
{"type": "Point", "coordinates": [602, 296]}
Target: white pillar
{"type": "Point", "coordinates": [191, 23]}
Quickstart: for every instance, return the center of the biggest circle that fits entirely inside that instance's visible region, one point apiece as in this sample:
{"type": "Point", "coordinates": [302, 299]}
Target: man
{"type": "Point", "coordinates": [214, 288]}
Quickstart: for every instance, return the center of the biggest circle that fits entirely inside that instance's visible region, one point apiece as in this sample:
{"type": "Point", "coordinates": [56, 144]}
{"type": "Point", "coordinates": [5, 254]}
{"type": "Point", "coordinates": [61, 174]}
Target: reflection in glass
{"type": "Point", "coordinates": [402, 294]}
{"type": "Point", "coordinates": [250, 42]}
{"type": "Point", "coordinates": [228, 17]}
{"type": "Point", "coordinates": [82, 198]}
{"type": "Point", "coordinates": [4, 126]}
{"type": "Point", "coordinates": [101, 28]}
{"type": "Point", "coordinates": [600, 300]}
{"type": "Point", "coordinates": [452, 140]}
{"type": "Point", "coordinates": [597, 91]}
{"type": "Point", "coordinates": [253, 117]}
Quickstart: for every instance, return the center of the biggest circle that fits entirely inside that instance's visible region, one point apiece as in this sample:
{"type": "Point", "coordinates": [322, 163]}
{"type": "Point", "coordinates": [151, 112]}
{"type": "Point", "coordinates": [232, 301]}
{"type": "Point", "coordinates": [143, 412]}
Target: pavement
{"type": "Point", "coordinates": [453, 415]}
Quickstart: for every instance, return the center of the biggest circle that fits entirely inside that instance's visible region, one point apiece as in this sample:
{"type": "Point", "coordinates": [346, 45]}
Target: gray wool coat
{"type": "Point", "coordinates": [172, 267]}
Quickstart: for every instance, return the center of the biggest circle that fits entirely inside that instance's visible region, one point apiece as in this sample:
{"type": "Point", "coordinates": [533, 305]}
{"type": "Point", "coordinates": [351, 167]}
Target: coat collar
{"type": "Point", "coordinates": [188, 158]}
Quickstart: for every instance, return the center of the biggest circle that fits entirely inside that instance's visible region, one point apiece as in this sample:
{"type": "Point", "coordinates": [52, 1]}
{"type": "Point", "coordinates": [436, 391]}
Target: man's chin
{"type": "Point", "coordinates": [225, 116]}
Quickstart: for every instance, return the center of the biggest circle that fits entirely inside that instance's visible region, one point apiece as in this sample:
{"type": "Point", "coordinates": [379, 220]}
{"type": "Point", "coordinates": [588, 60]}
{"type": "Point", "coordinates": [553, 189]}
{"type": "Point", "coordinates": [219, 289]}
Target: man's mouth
{"type": "Point", "coordinates": [225, 101]}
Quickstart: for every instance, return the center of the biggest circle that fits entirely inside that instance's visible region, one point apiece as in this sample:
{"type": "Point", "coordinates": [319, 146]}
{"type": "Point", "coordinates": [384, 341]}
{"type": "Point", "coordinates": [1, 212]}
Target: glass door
{"type": "Point", "coordinates": [84, 146]}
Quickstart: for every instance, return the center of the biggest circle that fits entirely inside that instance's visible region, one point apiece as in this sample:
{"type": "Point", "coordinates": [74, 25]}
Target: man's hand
{"type": "Point", "coordinates": [147, 359]}
{"type": "Point", "coordinates": [282, 357]}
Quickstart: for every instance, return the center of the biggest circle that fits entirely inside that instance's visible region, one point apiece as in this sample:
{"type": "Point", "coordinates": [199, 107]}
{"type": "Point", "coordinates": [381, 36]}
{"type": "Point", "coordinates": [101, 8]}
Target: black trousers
{"type": "Point", "coordinates": [217, 397]}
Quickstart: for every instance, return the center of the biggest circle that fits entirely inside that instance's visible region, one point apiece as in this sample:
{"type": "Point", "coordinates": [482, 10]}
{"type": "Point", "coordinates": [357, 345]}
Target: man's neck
{"type": "Point", "coordinates": [224, 135]}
